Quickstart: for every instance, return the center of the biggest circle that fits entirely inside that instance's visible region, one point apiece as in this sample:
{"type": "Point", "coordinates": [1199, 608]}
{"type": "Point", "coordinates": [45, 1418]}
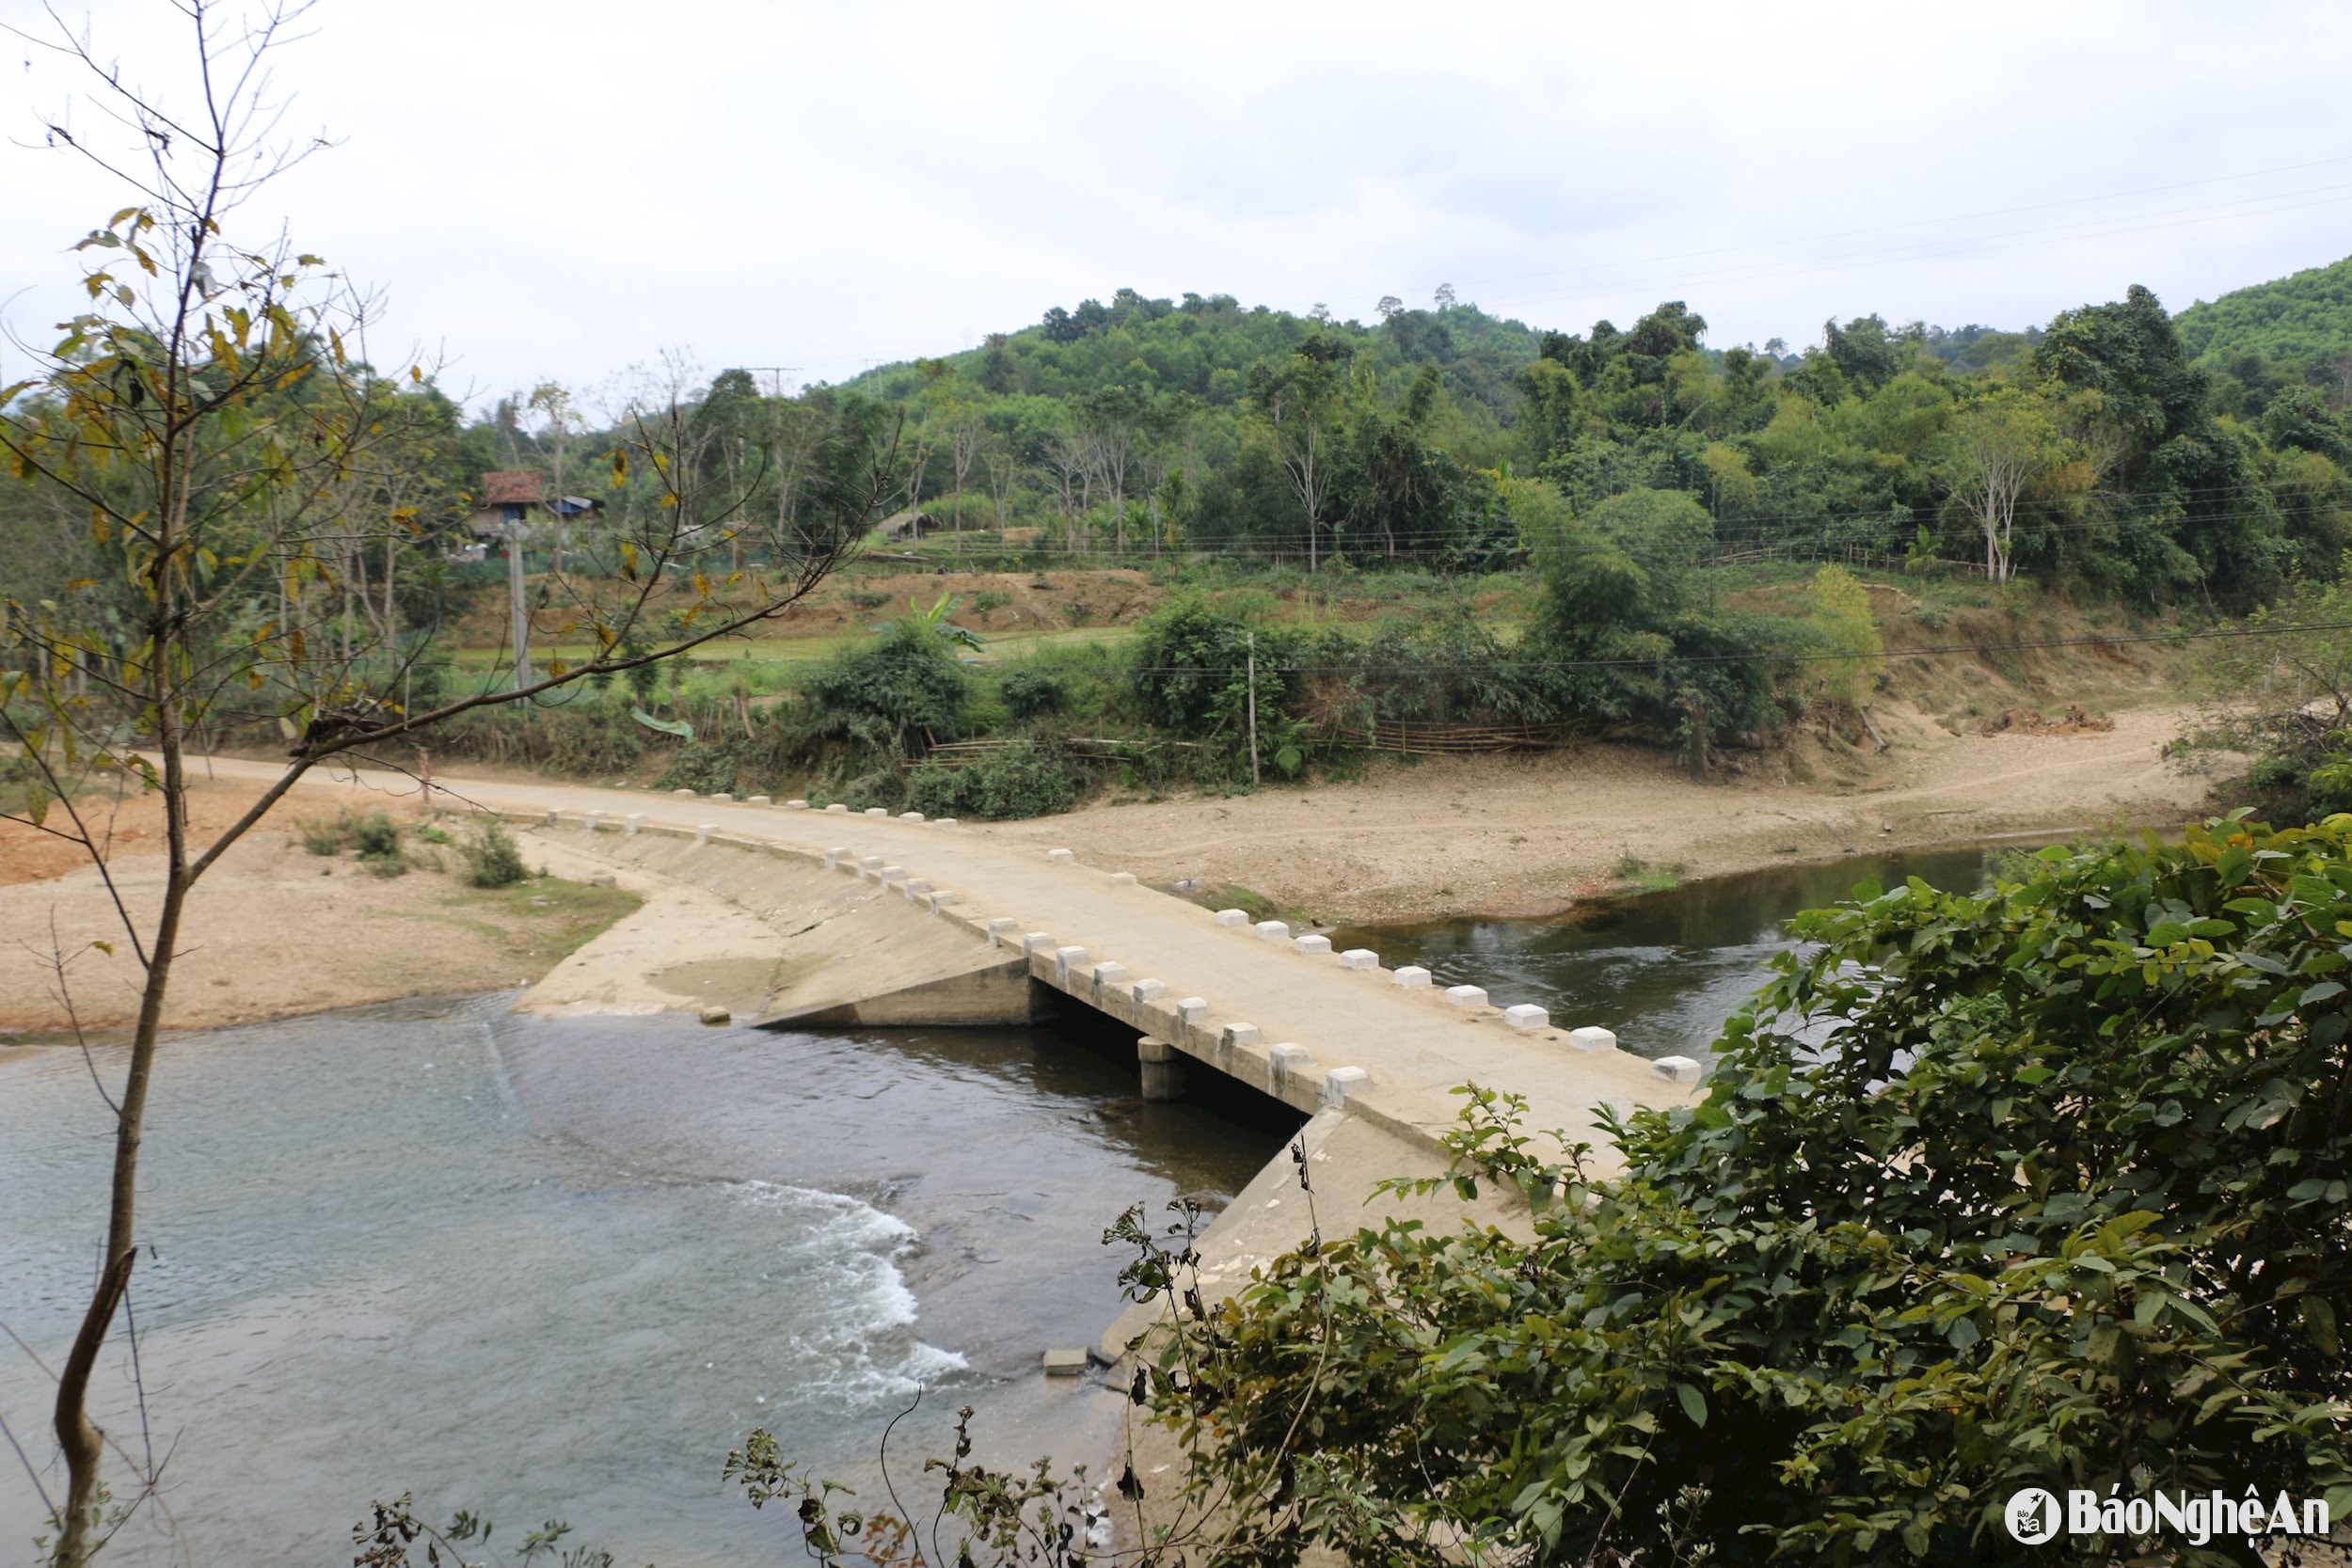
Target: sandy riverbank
{"type": "Point", "coordinates": [275, 930]}
{"type": "Point", "coordinates": [1530, 836]}
{"type": "Point", "coordinates": [272, 930]}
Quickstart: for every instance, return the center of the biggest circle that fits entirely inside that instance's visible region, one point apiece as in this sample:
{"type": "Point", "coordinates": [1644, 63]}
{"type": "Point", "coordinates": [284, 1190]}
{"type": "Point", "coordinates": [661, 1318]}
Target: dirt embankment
{"type": "Point", "coordinates": [275, 930]}
{"type": "Point", "coordinates": [1529, 835]}
{"type": "Point", "coordinates": [272, 930]}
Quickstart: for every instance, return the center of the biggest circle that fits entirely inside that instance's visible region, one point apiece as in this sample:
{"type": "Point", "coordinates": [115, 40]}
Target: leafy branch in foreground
{"type": "Point", "coordinates": [213, 414]}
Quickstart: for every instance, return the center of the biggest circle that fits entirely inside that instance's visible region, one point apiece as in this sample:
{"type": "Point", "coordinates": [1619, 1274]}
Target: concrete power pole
{"type": "Point", "coordinates": [1253, 709]}
{"type": "Point", "coordinates": [515, 600]}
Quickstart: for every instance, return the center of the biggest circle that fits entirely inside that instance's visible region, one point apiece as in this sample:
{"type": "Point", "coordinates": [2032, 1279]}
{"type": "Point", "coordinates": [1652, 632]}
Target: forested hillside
{"type": "Point", "coordinates": [2290, 336]}
{"type": "Point", "coordinates": [1592, 478]}
{"type": "Point", "coordinates": [2094, 452]}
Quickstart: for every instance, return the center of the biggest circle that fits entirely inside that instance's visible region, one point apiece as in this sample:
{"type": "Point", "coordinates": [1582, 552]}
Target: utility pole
{"type": "Point", "coordinates": [1253, 709]}
{"type": "Point", "coordinates": [521, 631]}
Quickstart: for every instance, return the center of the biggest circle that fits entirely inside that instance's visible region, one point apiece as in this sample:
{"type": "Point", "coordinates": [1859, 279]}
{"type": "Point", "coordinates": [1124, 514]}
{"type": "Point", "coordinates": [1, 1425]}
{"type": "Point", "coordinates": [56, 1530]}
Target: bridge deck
{"type": "Point", "coordinates": [1413, 1046]}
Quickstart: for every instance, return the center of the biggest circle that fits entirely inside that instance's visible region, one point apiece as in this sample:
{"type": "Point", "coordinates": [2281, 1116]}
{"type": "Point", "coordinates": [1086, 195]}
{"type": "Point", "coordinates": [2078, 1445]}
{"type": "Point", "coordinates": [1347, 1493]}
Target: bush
{"type": "Point", "coordinates": [1020, 781]}
{"type": "Point", "coordinates": [377, 836]}
{"type": "Point", "coordinates": [907, 678]}
{"type": "Point", "coordinates": [492, 859]}
{"type": "Point", "coordinates": [323, 835]}
{"type": "Point", "coordinates": [1032, 693]}
{"type": "Point", "coordinates": [2039, 1186]}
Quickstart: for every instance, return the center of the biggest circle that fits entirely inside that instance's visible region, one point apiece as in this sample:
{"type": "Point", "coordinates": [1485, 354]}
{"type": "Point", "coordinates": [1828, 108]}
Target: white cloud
{"type": "Point", "coordinates": [561, 189]}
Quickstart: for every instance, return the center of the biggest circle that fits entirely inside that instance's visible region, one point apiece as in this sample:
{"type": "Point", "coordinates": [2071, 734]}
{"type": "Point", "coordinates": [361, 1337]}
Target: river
{"type": "Point", "coordinates": [1663, 969]}
{"type": "Point", "coordinates": [557, 1268]}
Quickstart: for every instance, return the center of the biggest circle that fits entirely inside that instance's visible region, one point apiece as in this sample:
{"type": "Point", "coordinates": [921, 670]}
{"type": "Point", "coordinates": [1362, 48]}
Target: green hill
{"type": "Point", "coordinates": [2295, 331]}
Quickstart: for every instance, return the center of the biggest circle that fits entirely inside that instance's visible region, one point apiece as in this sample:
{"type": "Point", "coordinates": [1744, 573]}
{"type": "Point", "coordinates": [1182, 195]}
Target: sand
{"type": "Point", "coordinates": [275, 930]}
{"type": "Point", "coordinates": [1529, 835]}
{"type": "Point", "coordinates": [272, 930]}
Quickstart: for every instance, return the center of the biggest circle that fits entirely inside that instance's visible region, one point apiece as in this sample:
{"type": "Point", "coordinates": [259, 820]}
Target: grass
{"type": "Point", "coordinates": [1636, 876]}
{"type": "Point", "coordinates": [546, 915]}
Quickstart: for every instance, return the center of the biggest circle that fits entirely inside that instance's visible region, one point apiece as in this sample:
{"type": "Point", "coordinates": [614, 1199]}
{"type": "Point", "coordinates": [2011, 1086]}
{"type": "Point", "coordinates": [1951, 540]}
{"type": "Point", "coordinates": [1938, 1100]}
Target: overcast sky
{"type": "Point", "coordinates": [553, 190]}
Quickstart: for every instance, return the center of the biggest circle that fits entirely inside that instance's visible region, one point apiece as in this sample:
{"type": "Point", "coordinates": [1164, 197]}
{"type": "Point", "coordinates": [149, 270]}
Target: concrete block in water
{"type": "Point", "coordinates": [1224, 917]}
{"type": "Point", "coordinates": [1161, 1068]}
{"type": "Point", "coordinates": [1341, 1082]}
{"type": "Point", "coordinates": [1466, 996]}
{"type": "Point", "coordinates": [1034, 942]}
{"type": "Point", "coordinates": [1682, 1069]}
{"type": "Point", "coordinates": [1527, 1016]}
{"type": "Point", "coordinates": [910, 817]}
{"type": "Point", "coordinates": [1314, 946]}
{"type": "Point", "coordinates": [796, 805]}
{"type": "Point", "coordinates": [758, 800]}
{"type": "Point", "coordinates": [1001, 927]}
{"type": "Point", "coordinates": [634, 822]}
{"type": "Point", "coordinates": [1237, 1035]}
{"type": "Point", "coordinates": [1148, 991]}
{"type": "Point", "coordinates": [1360, 958]}
{"type": "Point", "coordinates": [1061, 857]}
{"type": "Point", "coordinates": [1122, 878]}
{"type": "Point", "coordinates": [1283, 1063]}
{"type": "Point", "coordinates": [1273, 930]}
{"type": "Point", "coordinates": [1192, 1010]}
{"type": "Point", "coordinates": [1065, 958]}
{"type": "Point", "coordinates": [716, 1016]}
{"type": "Point", "coordinates": [1065, 1363]}
{"type": "Point", "coordinates": [1593, 1038]}
{"type": "Point", "coordinates": [1412, 975]}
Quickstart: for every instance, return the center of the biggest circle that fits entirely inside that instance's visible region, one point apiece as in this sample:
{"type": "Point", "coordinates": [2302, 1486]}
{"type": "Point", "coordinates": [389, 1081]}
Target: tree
{"type": "Point", "coordinates": [1841, 616]}
{"type": "Point", "coordinates": [1112, 422]}
{"type": "Point", "coordinates": [1298, 398]}
{"type": "Point", "coordinates": [1999, 447]}
{"type": "Point", "coordinates": [205, 414]}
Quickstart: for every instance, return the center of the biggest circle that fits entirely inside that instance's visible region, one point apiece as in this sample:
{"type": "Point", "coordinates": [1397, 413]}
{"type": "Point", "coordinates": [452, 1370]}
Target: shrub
{"type": "Point", "coordinates": [377, 836]}
{"type": "Point", "coordinates": [1020, 780]}
{"type": "Point", "coordinates": [2039, 1186]}
{"type": "Point", "coordinates": [1032, 693]}
{"type": "Point", "coordinates": [907, 677]}
{"type": "Point", "coordinates": [492, 859]}
{"type": "Point", "coordinates": [324, 836]}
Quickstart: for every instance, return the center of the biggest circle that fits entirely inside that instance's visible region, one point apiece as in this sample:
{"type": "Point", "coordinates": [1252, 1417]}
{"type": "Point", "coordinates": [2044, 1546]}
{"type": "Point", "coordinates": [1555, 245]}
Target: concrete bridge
{"type": "Point", "coordinates": [801, 917]}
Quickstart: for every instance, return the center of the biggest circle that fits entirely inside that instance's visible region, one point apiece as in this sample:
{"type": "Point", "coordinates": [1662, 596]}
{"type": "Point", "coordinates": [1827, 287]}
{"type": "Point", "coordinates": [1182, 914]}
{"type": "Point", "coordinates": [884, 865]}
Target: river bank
{"type": "Point", "coordinates": [1505, 837]}
{"type": "Point", "coordinates": [1498, 837]}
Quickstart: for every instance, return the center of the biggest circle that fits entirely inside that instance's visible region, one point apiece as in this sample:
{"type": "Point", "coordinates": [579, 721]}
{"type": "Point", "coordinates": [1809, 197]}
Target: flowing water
{"type": "Point", "coordinates": [557, 1268]}
{"type": "Point", "coordinates": [1663, 969]}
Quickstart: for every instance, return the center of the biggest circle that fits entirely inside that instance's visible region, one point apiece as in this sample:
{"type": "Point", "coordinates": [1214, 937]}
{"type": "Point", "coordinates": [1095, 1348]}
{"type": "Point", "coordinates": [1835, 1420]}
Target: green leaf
{"type": "Point", "coordinates": [1694, 1403]}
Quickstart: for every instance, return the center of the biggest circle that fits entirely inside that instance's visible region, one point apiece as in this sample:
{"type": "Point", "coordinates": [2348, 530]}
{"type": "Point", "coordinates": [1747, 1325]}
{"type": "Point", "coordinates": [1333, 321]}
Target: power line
{"type": "Point", "coordinates": [1779, 656]}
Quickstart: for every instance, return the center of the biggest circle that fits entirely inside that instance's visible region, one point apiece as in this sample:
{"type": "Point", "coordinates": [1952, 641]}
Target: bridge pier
{"type": "Point", "coordinates": [1163, 1069]}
